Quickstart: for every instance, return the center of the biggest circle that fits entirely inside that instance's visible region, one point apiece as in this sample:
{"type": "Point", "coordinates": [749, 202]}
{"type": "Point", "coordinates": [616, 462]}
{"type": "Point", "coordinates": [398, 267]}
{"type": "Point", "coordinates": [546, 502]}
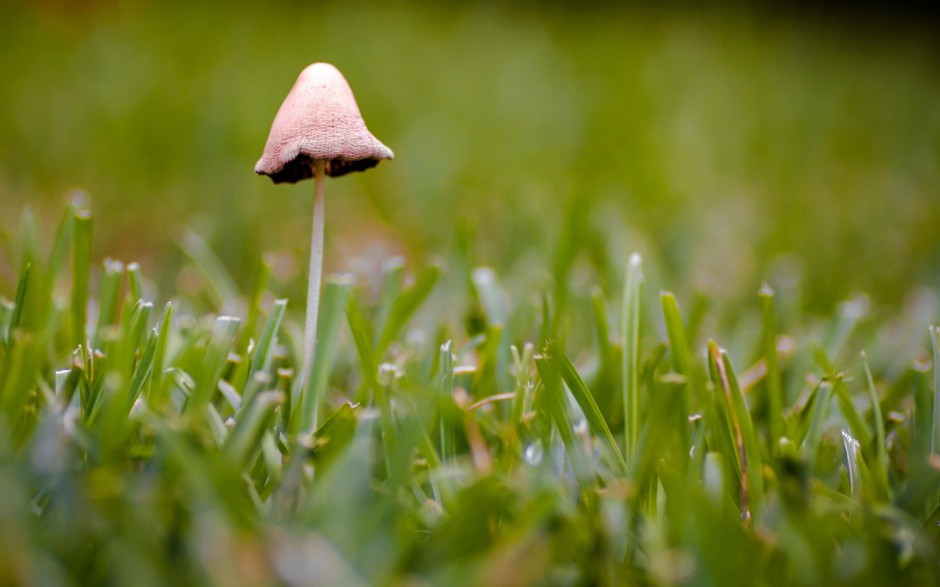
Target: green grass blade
{"type": "Point", "coordinates": [880, 466]}
{"type": "Point", "coordinates": [159, 384]}
{"type": "Point", "coordinates": [81, 262]}
{"type": "Point", "coordinates": [335, 296]}
{"type": "Point", "coordinates": [261, 353]}
{"type": "Point", "coordinates": [144, 369]}
{"type": "Point", "coordinates": [681, 359]}
{"type": "Point", "coordinates": [445, 405]}
{"type": "Point", "coordinates": [135, 287]}
{"type": "Point", "coordinates": [393, 276]}
{"type": "Point", "coordinates": [522, 366]}
{"type": "Point", "coordinates": [6, 317]}
{"type": "Point", "coordinates": [850, 444]}
{"type": "Point", "coordinates": [108, 292]}
{"type": "Point", "coordinates": [630, 334]}
{"type": "Point", "coordinates": [554, 402]}
{"type": "Point", "coordinates": [367, 362]}
{"type": "Point", "coordinates": [820, 411]}
{"type": "Point", "coordinates": [860, 430]}
{"type": "Point", "coordinates": [212, 363]}
{"type": "Point", "coordinates": [406, 305]}
{"type": "Point", "coordinates": [745, 438]}
{"type": "Point", "coordinates": [582, 395]}
{"type": "Point", "coordinates": [935, 435]}
{"type": "Point", "coordinates": [775, 399]}
{"type": "Point", "coordinates": [60, 246]}
{"type": "Point", "coordinates": [250, 424]}
{"type": "Point", "coordinates": [492, 298]}
{"type": "Point", "coordinates": [19, 303]}
{"type": "Point", "coordinates": [221, 285]}
{"type": "Point", "coordinates": [256, 291]}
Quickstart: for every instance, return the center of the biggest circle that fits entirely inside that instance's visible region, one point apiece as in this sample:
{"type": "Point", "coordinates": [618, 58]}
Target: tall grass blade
{"type": "Point", "coordinates": [221, 285]}
{"type": "Point", "coordinates": [19, 303]}
{"type": "Point", "coordinates": [159, 384]}
{"type": "Point", "coordinates": [264, 347]}
{"type": "Point", "coordinates": [332, 306]}
{"type": "Point", "coordinates": [820, 411]}
{"type": "Point", "coordinates": [681, 361]}
{"type": "Point", "coordinates": [935, 436]}
{"type": "Point", "coordinates": [250, 424]}
{"type": "Point", "coordinates": [880, 465]}
{"type": "Point", "coordinates": [744, 439]}
{"type": "Point", "coordinates": [108, 292]}
{"type": "Point", "coordinates": [445, 404]}
{"type": "Point", "coordinates": [406, 305]}
{"type": "Point", "coordinates": [775, 399]}
{"type": "Point", "coordinates": [81, 263]}
{"type": "Point", "coordinates": [850, 444]}
{"type": "Point", "coordinates": [582, 395]}
{"type": "Point", "coordinates": [630, 333]}
{"type": "Point", "coordinates": [554, 401]}
{"type": "Point", "coordinates": [212, 363]}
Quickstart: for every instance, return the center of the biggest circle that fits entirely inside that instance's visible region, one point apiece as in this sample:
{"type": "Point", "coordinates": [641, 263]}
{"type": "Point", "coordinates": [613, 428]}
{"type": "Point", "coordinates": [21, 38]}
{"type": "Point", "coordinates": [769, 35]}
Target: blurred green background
{"type": "Point", "coordinates": [728, 146]}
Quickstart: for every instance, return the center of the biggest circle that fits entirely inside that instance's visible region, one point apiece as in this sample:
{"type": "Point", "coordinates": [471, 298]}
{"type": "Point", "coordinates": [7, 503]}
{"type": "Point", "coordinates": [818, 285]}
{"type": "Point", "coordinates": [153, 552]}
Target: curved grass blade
{"type": "Point", "coordinates": [261, 355]}
{"type": "Point", "coordinates": [554, 402]}
{"type": "Point", "coordinates": [406, 304]}
{"type": "Point", "coordinates": [744, 439]}
{"type": "Point", "coordinates": [595, 419]}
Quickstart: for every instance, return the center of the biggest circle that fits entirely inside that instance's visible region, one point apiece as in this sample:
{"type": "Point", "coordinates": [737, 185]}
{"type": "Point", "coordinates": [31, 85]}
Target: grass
{"type": "Point", "coordinates": [173, 447]}
{"type": "Point", "coordinates": [552, 360]}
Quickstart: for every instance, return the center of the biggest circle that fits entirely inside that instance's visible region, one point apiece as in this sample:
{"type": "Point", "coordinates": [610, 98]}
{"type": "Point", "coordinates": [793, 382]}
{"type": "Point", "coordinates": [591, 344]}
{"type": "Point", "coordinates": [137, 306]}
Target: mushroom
{"type": "Point", "coordinates": [318, 131]}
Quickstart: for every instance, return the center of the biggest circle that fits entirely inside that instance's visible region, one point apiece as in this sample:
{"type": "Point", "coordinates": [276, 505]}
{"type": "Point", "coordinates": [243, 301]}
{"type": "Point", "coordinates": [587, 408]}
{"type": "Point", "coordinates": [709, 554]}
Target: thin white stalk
{"type": "Point", "coordinates": [316, 272]}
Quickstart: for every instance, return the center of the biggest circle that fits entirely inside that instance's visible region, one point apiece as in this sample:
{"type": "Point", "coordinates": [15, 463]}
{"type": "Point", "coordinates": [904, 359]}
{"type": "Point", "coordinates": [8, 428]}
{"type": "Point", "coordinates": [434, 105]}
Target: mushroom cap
{"type": "Point", "coordinates": [319, 120]}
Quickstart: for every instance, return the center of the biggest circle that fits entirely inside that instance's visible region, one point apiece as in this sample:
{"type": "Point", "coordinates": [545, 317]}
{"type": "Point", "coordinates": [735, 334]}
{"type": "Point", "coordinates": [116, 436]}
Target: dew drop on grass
{"type": "Point", "coordinates": [534, 453]}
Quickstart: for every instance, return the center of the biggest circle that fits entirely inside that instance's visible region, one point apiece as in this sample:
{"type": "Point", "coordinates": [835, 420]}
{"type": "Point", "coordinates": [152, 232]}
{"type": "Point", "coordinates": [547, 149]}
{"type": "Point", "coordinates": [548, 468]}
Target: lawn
{"type": "Point", "coordinates": [645, 297]}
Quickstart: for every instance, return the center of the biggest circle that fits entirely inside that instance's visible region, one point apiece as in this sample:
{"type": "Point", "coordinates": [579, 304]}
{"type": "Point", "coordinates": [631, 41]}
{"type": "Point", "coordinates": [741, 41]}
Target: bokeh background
{"type": "Point", "coordinates": [728, 145]}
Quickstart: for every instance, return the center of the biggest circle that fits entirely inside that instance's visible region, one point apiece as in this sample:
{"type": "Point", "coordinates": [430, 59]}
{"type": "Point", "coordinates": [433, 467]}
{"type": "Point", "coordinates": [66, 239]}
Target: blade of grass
{"type": "Point", "coordinates": [367, 361]}
{"type": "Point", "coordinates": [582, 395]}
{"type": "Point", "coordinates": [221, 285]}
{"type": "Point", "coordinates": [775, 399]}
{"type": "Point", "coordinates": [445, 405]}
{"type": "Point", "coordinates": [820, 411]}
{"type": "Point", "coordinates": [19, 303]}
{"type": "Point", "coordinates": [250, 424]}
{"type": "Point", "coordinates": [682, 361]}
{"type": "Point", "coordinates": [108, 291]}
{"type": "Point", "coordinates": [492, 298]}
{"type": "Point", "coordinates": [522, 366]}
{"type": "Point", "coordinates": [935, 436]}
{"type": "Point", "coordinates": [158, 382]}
{"type": "Point", "coordinates": [880, 466]}
{"type": "Point", "coordinates": [745, 440]}
{"type": "Point", "coordinates": [60, 246]}
{"type": "Point", "coordinates": [393, 275]}
{"type": "Point", "coordinates": [263, 349]}
{"type": "Point", "coordinates": [851, 460]}
{"type": "Point", "coordinates": [81, 262]}
{"type": "Point", "coordinates": [406, 305]}
{"type": "Point", "coordinates": [630, 334]}
{"type": "Point", "coordinates": [554, 403]}
{"type": "Point", "coordinates": [212, 364]}
{"type": "Point", "coordinates": [334, 299]}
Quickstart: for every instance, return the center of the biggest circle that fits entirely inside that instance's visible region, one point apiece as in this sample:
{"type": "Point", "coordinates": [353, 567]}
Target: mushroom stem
{"type": "Point", "coordinates": [316, 272]}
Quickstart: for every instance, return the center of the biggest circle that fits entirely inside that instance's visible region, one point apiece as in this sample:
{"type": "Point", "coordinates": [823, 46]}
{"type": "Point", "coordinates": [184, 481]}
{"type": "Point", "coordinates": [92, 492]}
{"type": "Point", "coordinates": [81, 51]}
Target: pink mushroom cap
{"type": "Point", "coordinates": [319, 120]}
